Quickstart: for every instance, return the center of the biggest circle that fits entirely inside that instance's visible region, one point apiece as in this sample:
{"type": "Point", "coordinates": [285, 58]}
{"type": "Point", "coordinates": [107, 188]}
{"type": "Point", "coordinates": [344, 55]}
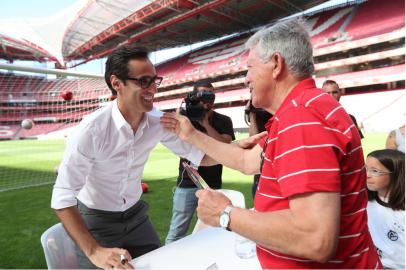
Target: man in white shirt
{"type": "Point", "coordinates": [97, 192]}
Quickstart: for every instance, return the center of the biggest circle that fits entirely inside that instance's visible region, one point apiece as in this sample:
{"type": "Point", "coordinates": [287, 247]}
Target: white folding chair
{"type": "Point", "coordinates": [59, 248]}
{"type": "Point", "coordinates": [236, 198]}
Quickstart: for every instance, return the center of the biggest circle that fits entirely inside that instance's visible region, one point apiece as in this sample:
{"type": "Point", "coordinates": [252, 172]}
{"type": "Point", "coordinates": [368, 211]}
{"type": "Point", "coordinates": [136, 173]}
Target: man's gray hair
{"type": "Point", "coordinates": [289, 38]}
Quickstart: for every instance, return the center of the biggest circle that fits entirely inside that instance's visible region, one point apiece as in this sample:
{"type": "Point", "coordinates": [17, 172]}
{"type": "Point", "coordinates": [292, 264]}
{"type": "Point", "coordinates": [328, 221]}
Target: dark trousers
{"type": "Point", "coordinates": [131, 230]}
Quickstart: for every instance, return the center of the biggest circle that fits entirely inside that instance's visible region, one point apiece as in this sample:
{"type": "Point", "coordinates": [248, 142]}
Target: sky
{"type": "Point", "coordinates": [14, 9]}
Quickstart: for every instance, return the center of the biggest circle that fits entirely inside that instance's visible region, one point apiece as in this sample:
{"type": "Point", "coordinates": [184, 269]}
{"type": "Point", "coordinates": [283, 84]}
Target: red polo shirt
{"type": "Point", "coordinates": [313, 146]}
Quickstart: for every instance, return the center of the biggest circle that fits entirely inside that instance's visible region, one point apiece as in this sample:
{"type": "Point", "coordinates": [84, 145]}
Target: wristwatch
{"type": "Point", "coordinates": [225, 218]}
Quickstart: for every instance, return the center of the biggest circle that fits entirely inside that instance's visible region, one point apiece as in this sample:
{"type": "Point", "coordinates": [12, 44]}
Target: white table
{"type": "Point", "coordinates": [209, 247]}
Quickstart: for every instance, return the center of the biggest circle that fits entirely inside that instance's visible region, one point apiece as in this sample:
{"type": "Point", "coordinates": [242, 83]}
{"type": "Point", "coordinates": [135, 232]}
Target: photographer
{"type": "Point", "coordinates": [256, 119]}
{"type": "Point", "coordinates": [199, 109]}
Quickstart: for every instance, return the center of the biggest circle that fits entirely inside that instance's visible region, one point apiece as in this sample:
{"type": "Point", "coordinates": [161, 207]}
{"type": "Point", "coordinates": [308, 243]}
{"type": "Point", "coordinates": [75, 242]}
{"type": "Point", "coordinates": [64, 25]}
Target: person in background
{"type": "Point", "coordinates": [331, 87]}
{"type": "Point", "coordinates": [386, 206]}
{"type": "Point", "coordinates": [97, 193]}
{"type": "Point", "coordinates": [396, 139]}
{"type": "Point", "coordinates": [310, 205]}
{"type": "Point", "coordinates": [255, 119]}
{"type": "Point", "coordinates": [217, 126]}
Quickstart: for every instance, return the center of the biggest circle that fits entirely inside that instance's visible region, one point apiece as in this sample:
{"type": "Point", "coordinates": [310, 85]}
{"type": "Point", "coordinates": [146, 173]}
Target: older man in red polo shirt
{"type": "Point", "coordinates": [311, 198]}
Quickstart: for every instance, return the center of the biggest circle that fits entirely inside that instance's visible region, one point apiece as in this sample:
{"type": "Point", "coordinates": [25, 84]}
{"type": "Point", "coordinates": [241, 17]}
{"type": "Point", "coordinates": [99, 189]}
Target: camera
{"type": "Point", "coordinates": [193, 108]}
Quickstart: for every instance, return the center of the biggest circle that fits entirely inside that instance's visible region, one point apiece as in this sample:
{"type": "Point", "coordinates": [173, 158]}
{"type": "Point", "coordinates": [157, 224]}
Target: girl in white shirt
{"type": "Point", "coordinates": [386, 206]}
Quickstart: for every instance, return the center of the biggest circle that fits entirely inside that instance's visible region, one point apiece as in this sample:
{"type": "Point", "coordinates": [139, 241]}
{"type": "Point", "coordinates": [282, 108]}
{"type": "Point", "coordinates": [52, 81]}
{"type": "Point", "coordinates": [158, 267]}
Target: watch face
{"type": "Point", "coordinates": [224, 218]}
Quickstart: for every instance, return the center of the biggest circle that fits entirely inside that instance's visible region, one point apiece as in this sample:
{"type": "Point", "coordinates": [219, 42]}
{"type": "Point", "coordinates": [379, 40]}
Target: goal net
{"type": "Point", "coordinates": [37, 112]}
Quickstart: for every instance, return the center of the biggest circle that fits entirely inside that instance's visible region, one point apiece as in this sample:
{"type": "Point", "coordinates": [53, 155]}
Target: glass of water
{"type": "Point", "coordinates": [244, 248]}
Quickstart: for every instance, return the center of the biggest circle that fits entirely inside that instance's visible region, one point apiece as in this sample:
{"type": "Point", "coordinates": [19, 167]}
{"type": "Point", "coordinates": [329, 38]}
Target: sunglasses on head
{"type": "Point", "coordinates": [145, 81]}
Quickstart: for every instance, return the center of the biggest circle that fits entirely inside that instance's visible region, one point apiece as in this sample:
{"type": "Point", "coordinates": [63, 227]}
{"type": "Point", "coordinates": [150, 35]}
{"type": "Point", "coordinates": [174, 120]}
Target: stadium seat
{"type": "Point", "coordinates": [237, 199]}
{"type": "Point", "coordinates": [58, 248]}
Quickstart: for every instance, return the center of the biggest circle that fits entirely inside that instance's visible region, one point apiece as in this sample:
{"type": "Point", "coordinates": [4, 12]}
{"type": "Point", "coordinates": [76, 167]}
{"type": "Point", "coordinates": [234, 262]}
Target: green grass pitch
{"type": "Point", "coordinates": [25, 213]}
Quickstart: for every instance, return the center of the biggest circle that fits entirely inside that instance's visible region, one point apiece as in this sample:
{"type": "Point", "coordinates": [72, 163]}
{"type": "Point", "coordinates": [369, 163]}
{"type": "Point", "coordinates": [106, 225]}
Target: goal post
{"type": "Point", "coordinates": [38, 109]}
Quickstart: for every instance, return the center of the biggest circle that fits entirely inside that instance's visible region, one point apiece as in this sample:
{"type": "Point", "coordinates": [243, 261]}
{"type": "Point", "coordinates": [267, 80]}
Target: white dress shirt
{"type": "Point", "coordinates": [104, 160]}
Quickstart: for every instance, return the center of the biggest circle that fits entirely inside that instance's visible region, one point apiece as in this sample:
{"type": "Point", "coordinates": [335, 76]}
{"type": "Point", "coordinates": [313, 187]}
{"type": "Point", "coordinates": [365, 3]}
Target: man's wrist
{"type": "Point", "coordinates": [91, 249]}
{"type": "Point", "coordinates": [192, 136]}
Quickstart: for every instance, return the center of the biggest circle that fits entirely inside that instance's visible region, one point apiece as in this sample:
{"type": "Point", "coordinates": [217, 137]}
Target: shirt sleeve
{"type": "Point", "coordinates": [73, 171]}
{"type": "Point", "coordinates": [182, 149]}
{"type": "Point", "coordinates": [307, 154]}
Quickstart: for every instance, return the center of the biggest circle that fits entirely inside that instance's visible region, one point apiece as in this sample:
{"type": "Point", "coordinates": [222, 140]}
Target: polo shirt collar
{"type": "Point", "coordinates": [308, 83]}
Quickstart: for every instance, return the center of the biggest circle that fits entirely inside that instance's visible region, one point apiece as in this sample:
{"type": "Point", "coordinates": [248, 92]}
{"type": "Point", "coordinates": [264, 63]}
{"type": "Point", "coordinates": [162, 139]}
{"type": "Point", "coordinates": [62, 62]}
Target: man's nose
{"type": "Point", "coordinates": [152, 88]}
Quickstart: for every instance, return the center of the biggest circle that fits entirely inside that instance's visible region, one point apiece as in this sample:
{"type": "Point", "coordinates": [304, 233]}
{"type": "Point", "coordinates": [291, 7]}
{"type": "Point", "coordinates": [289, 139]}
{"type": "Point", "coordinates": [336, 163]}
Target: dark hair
{"type": "Point", "coordinates": [203, 83]}
{"type": "Point", "coordinates": [329, 82]}
{"type": "Point", "coordinates": [261, 116]}
{"type": "Point", "coordinates": [117, 62]}
{"type": "Point", "coordinates": [394, 161]}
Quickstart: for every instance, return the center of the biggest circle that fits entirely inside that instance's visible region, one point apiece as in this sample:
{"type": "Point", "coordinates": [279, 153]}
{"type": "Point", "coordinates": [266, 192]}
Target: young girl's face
{"type": "Point", "coordinates": [378, 176]}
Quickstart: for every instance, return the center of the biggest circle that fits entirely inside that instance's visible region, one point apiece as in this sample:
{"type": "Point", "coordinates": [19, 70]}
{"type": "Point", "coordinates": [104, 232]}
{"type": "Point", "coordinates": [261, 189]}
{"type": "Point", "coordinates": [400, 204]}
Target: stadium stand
{"type": "Point", "coordinates": [348, 47]}
{"type": "Point", "coordinates": [39, 99]}
{"type": "Point", "coordinates": [375, 49]}
{"type": "Point", "coordinates": [377, 17]}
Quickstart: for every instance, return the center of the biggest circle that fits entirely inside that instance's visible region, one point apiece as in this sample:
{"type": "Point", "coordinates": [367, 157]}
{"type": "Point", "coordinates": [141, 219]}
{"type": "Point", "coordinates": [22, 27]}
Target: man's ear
{"type": "Point", "coordinates": [116, 83]}
{"type": "Point", "coordinates": [277, 63]}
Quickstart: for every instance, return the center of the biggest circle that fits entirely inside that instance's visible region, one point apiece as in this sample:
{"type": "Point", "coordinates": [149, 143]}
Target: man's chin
{"type": "Point", "coordinates": [256, 104]}
{"type": "Point", "coordinates": [148, 107]}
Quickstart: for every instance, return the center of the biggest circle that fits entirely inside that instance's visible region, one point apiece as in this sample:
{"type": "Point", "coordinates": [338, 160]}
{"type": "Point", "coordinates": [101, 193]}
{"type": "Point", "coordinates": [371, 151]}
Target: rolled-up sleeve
{"type": "Point", "coordinates": [183, 149]}
{"type": "Point", "coordinates": [74, 169]}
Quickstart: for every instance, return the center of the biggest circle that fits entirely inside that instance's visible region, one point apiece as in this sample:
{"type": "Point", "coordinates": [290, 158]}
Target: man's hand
{"type": "Point", "coordinates": [250, 142]}
{"type": "Point", "coordinates": [178, 124]}
{"type": "Point", "coordinates": [210, 206]}
{"type": "Point", "coordinates": [108, 258]}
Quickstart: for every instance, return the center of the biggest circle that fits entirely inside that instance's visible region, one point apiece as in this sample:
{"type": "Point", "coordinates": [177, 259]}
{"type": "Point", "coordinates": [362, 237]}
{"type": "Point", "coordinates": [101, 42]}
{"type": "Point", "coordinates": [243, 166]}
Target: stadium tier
{"type": "Point", "coordinates": [328, 28]}
{"type": "Point", "coordinates": [46, 102]}
{"type": "Point", "coordinates": [377, 17]}
{"type": "Point", "coordinates": [351, 79]}
{"type": "Point", "coordinates": [22, 87]}
{"type": "Point", "coordinates": [362, 55]}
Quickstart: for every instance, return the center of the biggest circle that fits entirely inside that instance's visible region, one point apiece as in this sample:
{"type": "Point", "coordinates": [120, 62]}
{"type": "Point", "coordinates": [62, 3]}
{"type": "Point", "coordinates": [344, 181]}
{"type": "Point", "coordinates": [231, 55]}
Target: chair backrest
{"type": "Point", "coordinates": [236, 198]}
{"type": "Point", "coordinates": [59, 248]}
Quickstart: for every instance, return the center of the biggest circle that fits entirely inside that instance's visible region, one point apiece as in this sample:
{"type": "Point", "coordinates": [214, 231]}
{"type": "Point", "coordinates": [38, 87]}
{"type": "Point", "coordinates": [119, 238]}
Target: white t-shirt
{"type": "Point", "coordinates": [387, 229]}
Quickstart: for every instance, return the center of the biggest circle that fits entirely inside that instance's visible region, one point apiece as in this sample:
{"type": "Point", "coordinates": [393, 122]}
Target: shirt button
{"type": "Point", "coordinates": [124, 200]}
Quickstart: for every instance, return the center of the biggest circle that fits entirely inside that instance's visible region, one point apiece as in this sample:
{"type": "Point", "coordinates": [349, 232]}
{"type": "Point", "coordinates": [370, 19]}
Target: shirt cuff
{"type": "Point", "coordinates": [63, 198]}
{"type": "Point", "coordinates": [195, 156]}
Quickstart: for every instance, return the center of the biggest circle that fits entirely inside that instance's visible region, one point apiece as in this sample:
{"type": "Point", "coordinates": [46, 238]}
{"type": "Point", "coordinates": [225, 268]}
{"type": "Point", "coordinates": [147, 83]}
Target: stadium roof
{"type": "Point", "coordinates": [36, 39]}
{"type": "Point", "coordinates": [160, 24]}
{"type": "Point", "coordinates": [92, 29]}
{"type": "Point", "coordinates": [21, 49]}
